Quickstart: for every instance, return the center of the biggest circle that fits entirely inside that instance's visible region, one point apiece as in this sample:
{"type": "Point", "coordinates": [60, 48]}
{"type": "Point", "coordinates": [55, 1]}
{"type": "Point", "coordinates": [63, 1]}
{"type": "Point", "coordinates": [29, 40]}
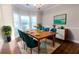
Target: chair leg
{"type": "Point", "coordinates": [31, 50]}
{"type": "Point", "coordinates": [24, 46]}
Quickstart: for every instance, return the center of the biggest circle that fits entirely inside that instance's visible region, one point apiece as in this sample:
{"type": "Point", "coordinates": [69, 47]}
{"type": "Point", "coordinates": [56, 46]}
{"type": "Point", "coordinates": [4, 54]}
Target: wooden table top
{"type": "Point", "coordinates": [40, 34]}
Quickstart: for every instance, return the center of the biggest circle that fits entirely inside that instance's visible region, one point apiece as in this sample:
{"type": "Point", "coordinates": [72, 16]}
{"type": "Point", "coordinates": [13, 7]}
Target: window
{"type": "Point", "coordinates": [34, 21]}
{"type": "Point", "coordinates": [25, 22]}
{"type": "Point", "coordinates": [16, 23]}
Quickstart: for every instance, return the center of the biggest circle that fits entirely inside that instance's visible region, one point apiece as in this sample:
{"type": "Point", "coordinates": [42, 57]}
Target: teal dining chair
{"type": "Point", "coordinates": [52, 30]}
{"type": "Point", "coordinates": [46, 29]}
{"type": "Point", "coordinates": [30, 42]}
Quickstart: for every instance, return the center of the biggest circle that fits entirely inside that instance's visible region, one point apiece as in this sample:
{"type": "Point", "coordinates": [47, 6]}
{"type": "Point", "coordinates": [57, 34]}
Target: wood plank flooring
{"type": "Point", "coordinates": [67, 47]}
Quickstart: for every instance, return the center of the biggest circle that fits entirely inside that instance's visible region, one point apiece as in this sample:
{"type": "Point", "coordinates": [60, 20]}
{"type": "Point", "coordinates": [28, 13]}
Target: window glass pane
{"type": "Point", "coordinates": [16, 23]}
{"type": "Point", "coordinates": [25, 22]}
{"type": "Point", "coordinates": [34, 22]}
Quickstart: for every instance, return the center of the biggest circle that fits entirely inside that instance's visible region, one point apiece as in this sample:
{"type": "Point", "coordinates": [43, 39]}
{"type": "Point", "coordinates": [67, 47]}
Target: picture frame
{"type": "Point", "coordinates": [60, 19]}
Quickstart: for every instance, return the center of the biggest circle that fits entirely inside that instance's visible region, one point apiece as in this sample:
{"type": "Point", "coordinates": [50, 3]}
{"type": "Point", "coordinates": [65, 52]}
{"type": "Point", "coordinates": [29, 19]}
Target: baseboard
{"type": "Point", "coordinates": [70, 40]}
{"type": "Point", "coordinates": [75, 41]}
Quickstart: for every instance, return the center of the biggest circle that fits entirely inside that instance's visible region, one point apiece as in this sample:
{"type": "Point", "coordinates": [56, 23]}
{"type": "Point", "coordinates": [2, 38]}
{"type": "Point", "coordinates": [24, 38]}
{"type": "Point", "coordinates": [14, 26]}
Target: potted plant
{"type": "Point", "coordinates": [62, 27]}
{"type": "Point", "coordinates": [6, 30]}
{"type": "Point", "coordinates": [39, 26]}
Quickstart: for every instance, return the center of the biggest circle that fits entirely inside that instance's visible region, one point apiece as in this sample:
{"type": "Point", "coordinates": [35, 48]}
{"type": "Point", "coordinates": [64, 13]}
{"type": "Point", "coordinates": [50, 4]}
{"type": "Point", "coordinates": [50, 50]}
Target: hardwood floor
{"type": "Point", "coordinates": [67, 47]}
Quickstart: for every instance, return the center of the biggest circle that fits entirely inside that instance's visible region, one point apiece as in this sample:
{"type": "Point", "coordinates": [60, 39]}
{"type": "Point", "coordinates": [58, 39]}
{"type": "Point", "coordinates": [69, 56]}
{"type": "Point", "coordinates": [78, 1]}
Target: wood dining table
{"type": "Point", "coordinates": [39, 35]}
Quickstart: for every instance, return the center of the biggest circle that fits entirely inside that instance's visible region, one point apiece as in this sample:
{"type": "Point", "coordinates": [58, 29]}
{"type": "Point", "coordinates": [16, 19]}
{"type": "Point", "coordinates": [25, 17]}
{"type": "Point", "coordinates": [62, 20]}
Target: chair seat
{"type": "Point", "coordinates": [33, 44]}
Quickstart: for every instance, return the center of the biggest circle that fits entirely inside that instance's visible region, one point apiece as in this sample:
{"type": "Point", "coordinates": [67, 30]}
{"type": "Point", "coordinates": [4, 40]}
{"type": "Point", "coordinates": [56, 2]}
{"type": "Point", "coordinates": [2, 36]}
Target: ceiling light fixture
{"type": "Point", "coordinates": [38, 5]}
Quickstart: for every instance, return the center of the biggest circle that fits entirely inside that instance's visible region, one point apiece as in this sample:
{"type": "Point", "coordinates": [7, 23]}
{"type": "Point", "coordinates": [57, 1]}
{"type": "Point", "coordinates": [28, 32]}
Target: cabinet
{"type": "Point", "coordinates": [62, 34]}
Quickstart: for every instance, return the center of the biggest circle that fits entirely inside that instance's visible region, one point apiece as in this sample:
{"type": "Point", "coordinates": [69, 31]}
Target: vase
{"type": "Point", "coordinates": [8, 38]}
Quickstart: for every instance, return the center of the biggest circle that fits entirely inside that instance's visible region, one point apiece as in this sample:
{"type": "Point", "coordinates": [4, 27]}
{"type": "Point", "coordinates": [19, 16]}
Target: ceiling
{"type": "Point", "coordinates": [31, 7]}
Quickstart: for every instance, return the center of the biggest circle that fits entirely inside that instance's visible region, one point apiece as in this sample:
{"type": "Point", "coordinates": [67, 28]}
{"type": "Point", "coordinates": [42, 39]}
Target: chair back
{"type": "Point", "coordinates": [22, 35]}
{"type": "Point", "coordinates": [46, 29]}
{"type": "Point", "coordinates": [27, 39]}
{"type": "Point", "coordinates": [53, 30]}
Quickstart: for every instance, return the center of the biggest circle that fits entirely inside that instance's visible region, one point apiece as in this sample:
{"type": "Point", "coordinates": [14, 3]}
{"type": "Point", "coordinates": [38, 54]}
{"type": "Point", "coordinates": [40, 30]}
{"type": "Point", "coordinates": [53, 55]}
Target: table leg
{"type": "Point", "coordinates": [38, 46]}
{"type": "Point", "coordinates": [53, 40]}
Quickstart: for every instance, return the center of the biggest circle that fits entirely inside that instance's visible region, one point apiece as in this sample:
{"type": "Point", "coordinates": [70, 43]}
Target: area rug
{"type": "Point", "coordinates": [14, 47]}
{"type": "Point", "coordinates": [46, 48]}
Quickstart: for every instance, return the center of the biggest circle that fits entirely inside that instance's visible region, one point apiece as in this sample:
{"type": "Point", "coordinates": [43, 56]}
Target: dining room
{"type": "Point", "coordinates": [30, 22]}
{"type": "Point", "coordinates": [39, 29]}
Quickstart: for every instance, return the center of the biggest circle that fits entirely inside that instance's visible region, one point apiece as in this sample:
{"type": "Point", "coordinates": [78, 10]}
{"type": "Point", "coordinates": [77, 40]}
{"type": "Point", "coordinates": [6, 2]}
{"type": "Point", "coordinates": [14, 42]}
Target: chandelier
{"type": "Point", "coordinates": [38, 5]}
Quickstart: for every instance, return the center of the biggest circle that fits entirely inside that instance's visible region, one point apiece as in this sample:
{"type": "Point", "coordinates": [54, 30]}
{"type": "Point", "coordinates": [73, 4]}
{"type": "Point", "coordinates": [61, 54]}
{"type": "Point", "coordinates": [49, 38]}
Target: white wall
{"type": "Point", "coordinates": [1, 22]}
{"type": "Point", "coordinates": [72, 12]}
{"type": "Point", "coordinates": [39, 18]}
{"type": "Point", "coordinates": [6, 17]}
